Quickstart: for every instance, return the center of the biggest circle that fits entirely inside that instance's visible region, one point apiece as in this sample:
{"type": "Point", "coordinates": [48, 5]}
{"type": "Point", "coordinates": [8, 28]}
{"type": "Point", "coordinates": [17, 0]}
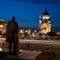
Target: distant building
{"type": "Point", "coordinates": [22, 31]}
{"type": "Point", "coordinates": [44, 23]}
{"type": "Point", "coordinates": [3, 25]}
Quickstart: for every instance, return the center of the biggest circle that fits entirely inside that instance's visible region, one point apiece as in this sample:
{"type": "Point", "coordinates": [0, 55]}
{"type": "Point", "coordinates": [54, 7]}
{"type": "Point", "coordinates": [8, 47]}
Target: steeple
{"type": "Point", "coordinates": [45, 13]}
{"type": "Point", "coordinates": [45, 25]}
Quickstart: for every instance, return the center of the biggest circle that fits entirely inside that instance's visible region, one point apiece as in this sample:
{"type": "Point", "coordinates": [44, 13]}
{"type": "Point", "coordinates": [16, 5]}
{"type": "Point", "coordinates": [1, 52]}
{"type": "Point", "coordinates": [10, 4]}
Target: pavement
{"type": "Point", "coordinates": [23, 55]}
{"type": "Point", "coordinates": [27, 54]}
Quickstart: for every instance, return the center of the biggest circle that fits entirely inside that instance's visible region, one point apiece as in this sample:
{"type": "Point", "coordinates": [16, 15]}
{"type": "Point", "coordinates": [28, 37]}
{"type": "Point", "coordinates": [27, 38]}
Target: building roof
{"type": "Point", "coordinates": [45, 13]}
{"type": "Point", "coordinates": [3, 21]}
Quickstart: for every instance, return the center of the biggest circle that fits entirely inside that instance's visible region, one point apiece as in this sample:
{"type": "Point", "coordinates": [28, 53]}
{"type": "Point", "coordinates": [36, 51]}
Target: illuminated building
{"type": "Point", "coordinates": [22, 31]}
{"type": "Point", "coordinates": [44, 23]}
{"type": "Point", "coordinates": [3, 25]}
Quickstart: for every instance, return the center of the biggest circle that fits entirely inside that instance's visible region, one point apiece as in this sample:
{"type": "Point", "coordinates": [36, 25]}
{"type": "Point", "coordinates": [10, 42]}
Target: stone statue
{"type": "Point", "coordinates": [12, 36]}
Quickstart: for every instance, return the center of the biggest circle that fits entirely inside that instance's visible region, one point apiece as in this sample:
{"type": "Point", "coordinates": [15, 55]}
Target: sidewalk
{"type": "Point", "coordinates": [23, 55]}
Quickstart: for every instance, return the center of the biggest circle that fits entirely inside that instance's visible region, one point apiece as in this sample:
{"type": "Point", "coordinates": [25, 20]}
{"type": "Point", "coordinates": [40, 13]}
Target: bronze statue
{"type": "Point", "coordinates": [12, 35]}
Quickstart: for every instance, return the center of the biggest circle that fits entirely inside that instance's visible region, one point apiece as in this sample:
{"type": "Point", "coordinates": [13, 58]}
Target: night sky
{"type": "Point", "coordinates": [27, 12]}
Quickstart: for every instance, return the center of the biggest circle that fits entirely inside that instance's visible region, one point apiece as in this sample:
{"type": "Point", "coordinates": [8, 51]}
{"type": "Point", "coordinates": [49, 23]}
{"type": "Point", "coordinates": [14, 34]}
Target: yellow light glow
{"type": "Point", "coordinates": [1, 49]}
{"type": "Point", "coordinates": [46, 27]}
{"type": "Point", "coordinates": [29, 32]}
{"type": "Point", "coordinates": [1, 26]}
{"type": "Point", "coordinates": [35, 31]}
{"type": "Point", "coordinates": [21, 31]}
{"type": "Point", "coordinates": [46, 17]}
{"type": "Point", "coordinates": [4, 31]}
{"type": "Point", "coordinates": [26, 30]}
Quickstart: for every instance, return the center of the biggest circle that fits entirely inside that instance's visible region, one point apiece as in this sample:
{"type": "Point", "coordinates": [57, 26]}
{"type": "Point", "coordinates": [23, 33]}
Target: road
{"type": "Point", "coordinates": [49, 42]}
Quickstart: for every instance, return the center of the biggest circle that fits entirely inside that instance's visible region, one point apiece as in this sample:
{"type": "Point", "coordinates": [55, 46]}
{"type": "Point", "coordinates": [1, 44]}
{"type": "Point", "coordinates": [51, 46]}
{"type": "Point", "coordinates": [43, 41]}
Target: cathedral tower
{"type": "Point", "coordinates": [44, 23]}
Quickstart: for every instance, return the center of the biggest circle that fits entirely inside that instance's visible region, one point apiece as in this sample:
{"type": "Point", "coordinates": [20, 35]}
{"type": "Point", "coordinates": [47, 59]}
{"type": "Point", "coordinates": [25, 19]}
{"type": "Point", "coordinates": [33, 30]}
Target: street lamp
{"type": "Point", "coordinates": [21, 31]}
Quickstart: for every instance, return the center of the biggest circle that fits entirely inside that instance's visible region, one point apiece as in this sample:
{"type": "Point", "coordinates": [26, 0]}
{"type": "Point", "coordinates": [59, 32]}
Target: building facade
{"type": "Point", "coordinates": [44, 23]}
{"type": "Point", "coordinates": [3, 25]}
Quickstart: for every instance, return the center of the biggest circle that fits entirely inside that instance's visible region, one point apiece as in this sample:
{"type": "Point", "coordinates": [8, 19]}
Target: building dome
{"type": "Point", "coordinates": [45, 13]}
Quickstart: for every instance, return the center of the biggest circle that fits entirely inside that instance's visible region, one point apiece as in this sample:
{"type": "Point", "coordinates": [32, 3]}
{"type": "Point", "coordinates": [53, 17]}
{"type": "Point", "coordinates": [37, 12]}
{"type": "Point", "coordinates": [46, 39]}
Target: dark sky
{"type": "Point", "coordinates": [27, 12]}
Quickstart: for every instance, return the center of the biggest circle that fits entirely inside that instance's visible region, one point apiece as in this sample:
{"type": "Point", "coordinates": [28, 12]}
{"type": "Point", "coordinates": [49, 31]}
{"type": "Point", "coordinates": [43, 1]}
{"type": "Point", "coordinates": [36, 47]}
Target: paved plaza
{"type": "Point", "coordinates": [45, 48]}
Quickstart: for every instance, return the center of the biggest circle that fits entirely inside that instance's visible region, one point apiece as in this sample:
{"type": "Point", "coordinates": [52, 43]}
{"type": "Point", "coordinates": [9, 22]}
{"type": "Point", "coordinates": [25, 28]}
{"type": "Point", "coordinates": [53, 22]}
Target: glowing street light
{"type": "Point", "coordinates": [26, 31]}
{"type": "Point", "coordinates": [35, 31]}
{"type": "Point", "coordinates": [21, 31]}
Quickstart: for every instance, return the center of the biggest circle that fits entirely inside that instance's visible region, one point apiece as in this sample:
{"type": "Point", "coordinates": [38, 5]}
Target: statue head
{"type": "Point", "coordinates": [13, 18]}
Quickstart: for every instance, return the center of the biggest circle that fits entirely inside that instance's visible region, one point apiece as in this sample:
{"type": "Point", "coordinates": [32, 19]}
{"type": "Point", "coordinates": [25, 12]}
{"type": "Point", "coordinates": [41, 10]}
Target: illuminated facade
{"type": "Point", "coordinates": [22, 31]}
{"type": "Point", "coordinates": [44, 23]}
{"type": "Point", "coordinates": [3, 25]}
